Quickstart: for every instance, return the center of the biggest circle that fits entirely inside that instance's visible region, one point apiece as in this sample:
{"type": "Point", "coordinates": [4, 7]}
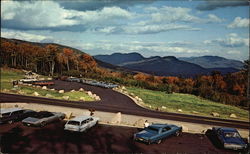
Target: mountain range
{"type": "Point", "coordinates": [172, 66]}
{"type": "Point", "coordinates": [214, 62]}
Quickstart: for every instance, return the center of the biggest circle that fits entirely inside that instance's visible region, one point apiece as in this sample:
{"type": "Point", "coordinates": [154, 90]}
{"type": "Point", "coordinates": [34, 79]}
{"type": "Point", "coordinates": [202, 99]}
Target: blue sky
{"type": "Point", "coordinates": [151, 27]}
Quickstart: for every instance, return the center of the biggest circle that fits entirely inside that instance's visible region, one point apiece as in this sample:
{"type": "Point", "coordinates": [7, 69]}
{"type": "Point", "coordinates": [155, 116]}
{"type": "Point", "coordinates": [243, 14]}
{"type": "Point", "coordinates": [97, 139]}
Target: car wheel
{"type": "Point", "coordinates": [43, 124]}
{"type": "Point", "coordinates": [177, 133]}
{"type": "Point", "coordinates": [158, 142]}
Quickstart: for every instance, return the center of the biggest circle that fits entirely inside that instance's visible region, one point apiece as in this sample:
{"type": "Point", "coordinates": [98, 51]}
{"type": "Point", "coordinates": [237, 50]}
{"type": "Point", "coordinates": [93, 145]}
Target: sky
{"type": "Point", "coordinates": [149, 27]}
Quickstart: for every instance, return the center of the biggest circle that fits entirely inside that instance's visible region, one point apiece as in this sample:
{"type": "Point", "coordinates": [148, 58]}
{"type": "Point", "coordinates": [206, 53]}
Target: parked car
{"type": "Point", "coordinates": [27, 80]}
{"type": "Point", "coordinates": [43, 83]}
{"type": "Point", "coordinates": [156, 132]}
{"type": "Point", "coordinates": [229, 138]}
{"type": "Point", "coordinates": [73, 79]}
{"type": "Point", "coordinates": [81, 123]}
{"type": "Point", "coordinates": [10, 115]}
{"type": "Point", "coordinates": [42, 118]}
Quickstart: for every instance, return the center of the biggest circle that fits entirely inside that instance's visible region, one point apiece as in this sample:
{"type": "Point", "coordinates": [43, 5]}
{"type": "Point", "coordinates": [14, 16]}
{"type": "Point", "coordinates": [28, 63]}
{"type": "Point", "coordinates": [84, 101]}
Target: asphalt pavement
{"type": "Point", "coordinates": [112, 101]}
{"type": "Point", "coordinates": [16, 138]}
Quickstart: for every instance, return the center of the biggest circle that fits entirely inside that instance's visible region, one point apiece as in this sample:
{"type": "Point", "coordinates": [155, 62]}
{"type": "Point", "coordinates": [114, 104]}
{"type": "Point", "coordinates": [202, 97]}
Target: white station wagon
{"type": "Point", "coordinates": [81, 123]}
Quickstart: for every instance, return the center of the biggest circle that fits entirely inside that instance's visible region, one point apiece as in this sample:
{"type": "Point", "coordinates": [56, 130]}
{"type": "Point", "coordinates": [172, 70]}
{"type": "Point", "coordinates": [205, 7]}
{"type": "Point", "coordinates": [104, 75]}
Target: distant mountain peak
{"type": "Point", "coordinates": [120, 58]}
{"type": "Point", "coordinates": [214, 62]}
{"type": "Point", "coordinates": [170, 58]}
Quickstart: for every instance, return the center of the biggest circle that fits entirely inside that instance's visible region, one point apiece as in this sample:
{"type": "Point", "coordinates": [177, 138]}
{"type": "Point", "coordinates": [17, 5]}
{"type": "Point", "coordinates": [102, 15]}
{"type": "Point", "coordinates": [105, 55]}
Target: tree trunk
{"type": "Point", "coordinates": [77, 67]}
{"type": "Point", "coordinates": [68, 65]}
{"type": "Point", "coordinates": [52, 67]}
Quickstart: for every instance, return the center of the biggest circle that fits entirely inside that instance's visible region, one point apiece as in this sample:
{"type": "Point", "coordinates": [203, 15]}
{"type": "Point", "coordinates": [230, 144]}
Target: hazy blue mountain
{"type": "Point", "coordinates": [214, 62]}
{"type": "Point", "coordinates": [120, 58]}
{"type": "Point", "coordinates": [171, 66]}
{"type": "Point", "coordinates": [166, 66]}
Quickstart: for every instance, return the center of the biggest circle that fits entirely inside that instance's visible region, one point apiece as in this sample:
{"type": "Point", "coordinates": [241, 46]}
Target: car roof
{"type": "Point", "coordinates": [80, 118]}
{"type": "Point", "coordinates": [159, 125]}
{"type": "Point", "coordinates": [227, 129]}
{"type": "Point", "coordinates": [6, 110]}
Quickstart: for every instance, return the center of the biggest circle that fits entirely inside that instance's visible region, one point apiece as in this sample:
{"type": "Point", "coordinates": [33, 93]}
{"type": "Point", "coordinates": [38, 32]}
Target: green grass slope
{"type": "Point", "coordinates": [8, 75]}
{"type": "Point", "coordinates": [189, 104]}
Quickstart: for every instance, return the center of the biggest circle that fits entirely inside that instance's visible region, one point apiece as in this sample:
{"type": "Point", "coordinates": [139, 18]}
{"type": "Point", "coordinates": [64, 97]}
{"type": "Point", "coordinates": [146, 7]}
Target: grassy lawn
{"type": "Point", "coordinates": [8, 75]}
{"type": "Point", "coordinates": [187, 103]}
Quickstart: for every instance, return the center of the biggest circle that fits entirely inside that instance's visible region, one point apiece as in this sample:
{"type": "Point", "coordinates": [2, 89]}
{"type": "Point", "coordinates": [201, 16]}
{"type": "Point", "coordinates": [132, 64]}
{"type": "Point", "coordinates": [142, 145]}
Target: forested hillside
{"type": "Point", "coordinates": [44, 58]}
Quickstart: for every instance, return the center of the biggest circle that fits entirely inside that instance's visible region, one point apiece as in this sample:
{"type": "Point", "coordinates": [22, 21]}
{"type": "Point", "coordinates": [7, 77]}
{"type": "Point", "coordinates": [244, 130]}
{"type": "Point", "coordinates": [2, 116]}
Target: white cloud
{"type": "Point", "coordinates": [233, 52]}
{"type": "Point", "coordinates": [146, 29]}
{"type": "Point", "coordinates": [24, 36]}
{"type": "Point", "coordinates": [178, 14]}
{"type": "Point", "coordinates": [213, 18]}
{"type": "Point", "coordinates": [239, 23]}
{"type": "Point", "coordinates": [231, 40]}
{"type": "Point", "coordinates": [37, 14]}
{"type": "Point", "coordinates": [49, 14]}
{"type": "Point", "coordinates": [159, 47]}
{"type": "Point", "coordinates": [171, 14]}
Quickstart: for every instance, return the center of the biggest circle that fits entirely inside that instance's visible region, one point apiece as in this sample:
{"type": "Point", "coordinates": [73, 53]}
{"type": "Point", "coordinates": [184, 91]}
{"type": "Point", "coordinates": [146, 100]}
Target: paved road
{"type": "Point", "coordinates": [16, 138]}
{"type": "Point", "coordinates": [112, 101]}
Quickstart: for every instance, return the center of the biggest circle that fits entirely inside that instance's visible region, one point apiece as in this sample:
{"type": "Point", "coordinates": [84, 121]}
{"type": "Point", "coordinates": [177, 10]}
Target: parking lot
{"type": "Point", "coordinates": [16, 138]}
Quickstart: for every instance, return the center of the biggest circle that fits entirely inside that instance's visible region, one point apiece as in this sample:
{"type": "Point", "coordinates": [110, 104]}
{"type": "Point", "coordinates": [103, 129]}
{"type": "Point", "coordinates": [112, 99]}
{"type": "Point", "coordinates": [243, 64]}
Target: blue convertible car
{"type": "Point", "coordinates": [229, 138]}
{"type": "Point", "coordinates": [156, 132]}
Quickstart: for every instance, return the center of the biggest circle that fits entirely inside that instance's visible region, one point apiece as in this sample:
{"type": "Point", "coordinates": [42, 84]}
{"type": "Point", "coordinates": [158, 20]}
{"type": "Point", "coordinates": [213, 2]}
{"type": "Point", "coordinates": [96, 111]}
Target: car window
{"type": "Point", "coordinates": [42, 114]}
{"type": "Point", "coordinates": [84, 122]}
{"type": "Point", "coordinates": [152, 129]}
{"type": "Point", "coordinates": [15, 113]}
{"type": "Point", "coordinates": [20, 112]}
{"type": "Point", "coordinates": [166, 129]}
{"type": "Point", "coordinates": [232, 134]}
{"type": "Point", "coordinates": [77, 123]}
{"type": "Point", "coordinates": [219, 132]}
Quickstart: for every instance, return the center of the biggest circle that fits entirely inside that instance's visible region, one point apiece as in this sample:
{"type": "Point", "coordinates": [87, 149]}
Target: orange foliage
{"type": "Point", "coordinates": [172, 80]}
{"type": "Point", "coordinates": [140, 76]}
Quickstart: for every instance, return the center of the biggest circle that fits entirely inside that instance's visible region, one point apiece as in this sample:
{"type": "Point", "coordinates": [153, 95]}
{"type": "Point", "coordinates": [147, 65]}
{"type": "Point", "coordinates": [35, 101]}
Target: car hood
{"type": "Point", "coordinates": [30, 120]}
{"type": "Point", "coordinates": [145, 134]}
{"type": "Point", "coordinates": [233, 140]}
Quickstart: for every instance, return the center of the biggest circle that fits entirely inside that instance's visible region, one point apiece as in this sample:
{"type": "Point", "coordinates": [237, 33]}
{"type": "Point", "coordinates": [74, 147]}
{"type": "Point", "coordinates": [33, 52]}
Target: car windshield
{"type": "Point", "coordinates": [232, 134]}
{"type": "Point", "coordinates": [152, 129]}
{"type": "Point", "coordinates": [5, 114]}
{"type": "Point", "coordinates": [77, 123]}
{"type": "Point", "coordinates": [42, 114]}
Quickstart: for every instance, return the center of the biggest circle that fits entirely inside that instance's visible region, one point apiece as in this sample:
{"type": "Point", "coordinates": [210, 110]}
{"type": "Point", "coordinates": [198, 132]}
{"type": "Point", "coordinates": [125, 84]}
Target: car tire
{"type": "Point", "coordinates": [158, 142]}
{"type": "Point", "coordinates": [43, 124]}
{"type": "Point", "coordinates": [178, 133]}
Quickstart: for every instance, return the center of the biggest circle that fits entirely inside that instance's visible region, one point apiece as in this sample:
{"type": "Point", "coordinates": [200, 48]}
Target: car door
{"type": "Point", "coordinates": [51, 117]}
{"type": "Point", "coordinates": [91, 122]}
{"type": "Point", "coordinates": [48, 117]}
{"type": "Point", "coordinates": [220, 136]}
{"type": "Point", "coordinates": [166, 131]}
{"type": "Point", "coordinates": [84, 125]}
{"type": "Point", "coordinates": [20, 115]}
